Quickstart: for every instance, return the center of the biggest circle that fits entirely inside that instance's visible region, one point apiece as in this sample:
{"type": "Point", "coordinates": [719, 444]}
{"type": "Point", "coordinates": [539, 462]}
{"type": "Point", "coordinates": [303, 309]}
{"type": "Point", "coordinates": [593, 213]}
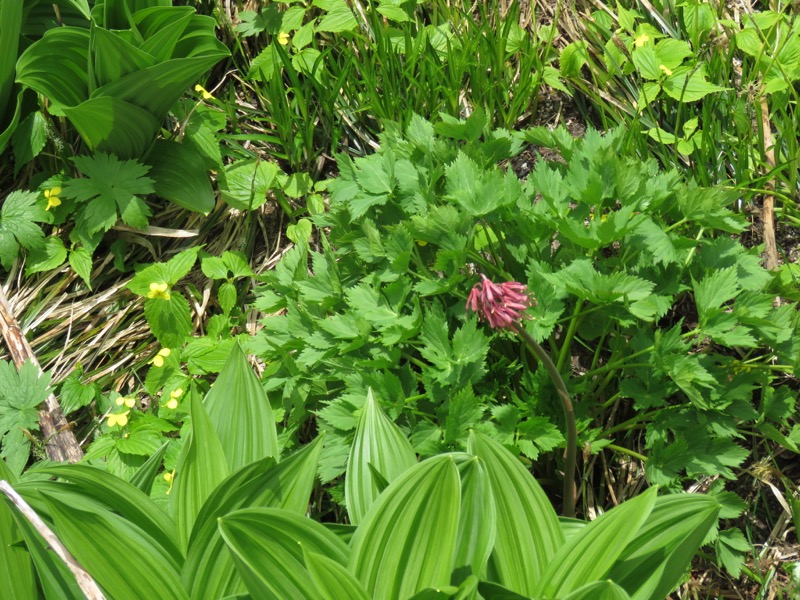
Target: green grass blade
{"type": "Point", "coordinates": [146, 474]}
{"type": "Point", "coordinates": [333, 581]}
{"type": "Point", "coordinates": [10, 26]}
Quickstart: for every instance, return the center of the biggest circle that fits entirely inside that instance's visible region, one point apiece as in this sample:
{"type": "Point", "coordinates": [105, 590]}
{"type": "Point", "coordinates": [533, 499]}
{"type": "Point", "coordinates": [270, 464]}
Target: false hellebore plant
{"type": "Point", "coordinates": [503, 307]}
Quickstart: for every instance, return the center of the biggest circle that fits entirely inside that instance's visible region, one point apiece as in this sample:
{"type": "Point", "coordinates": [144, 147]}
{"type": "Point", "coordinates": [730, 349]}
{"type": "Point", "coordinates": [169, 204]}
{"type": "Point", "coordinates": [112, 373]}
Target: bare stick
{"type": "Point", "coordinates": [85, 581]}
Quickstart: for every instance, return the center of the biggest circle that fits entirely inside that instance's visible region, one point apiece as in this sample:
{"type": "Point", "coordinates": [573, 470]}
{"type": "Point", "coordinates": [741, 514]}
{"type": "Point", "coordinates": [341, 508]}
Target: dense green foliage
{"type": "Point", "coordinates": [312, 188]}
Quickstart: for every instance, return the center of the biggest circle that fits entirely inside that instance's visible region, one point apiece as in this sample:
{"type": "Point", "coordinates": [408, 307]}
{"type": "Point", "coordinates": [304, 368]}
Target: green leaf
{"type": "Point", "coordinates": [246, 183]}
{"type": "Point", "coordinates": [591, 554]}
{"type": "Point", "coordinates": [21, 393]}
{"type": "Point", "coordinates": [601, 590]}
{"type": "Point", "coordinates": [80, 259]}
{"type": "Point", "coordinates": [48, 257]}
{"type": "Point", "coordinates": [17, 226]}
{"type": "Point", "coordinates": [268, 546]}
{"type": "Point", "coordinates": [29, 138]}
{"type": "Point", "coordinates": [333, 581]}
{"type": "Point", "coordinates": [120, 556]}
{"type": "Point", "coordinates": [16, 568]}
{"type": "Point", "coordinates": [528, 532]}
{"type": "Point", "coordinates": [201, 467]}
{"type": "Point", "coordinates": [689, 85]}
{"type": "Point", "coordinates": [477, 525]}
{"type": "Point", "coordinates": [241, 413]}
{"type": "Point", "coordinates": [180, 176]}
{"type": "Point", "coordinates": [145, 476]}
{"type": "Point", "coordinates": [406, 542]}
{"type": "Point", "coordinates": [209, 572]}
{"type": "Point", "coordinates": [56, 580]}
{"type": "Point", "coordinates": [379, 444]}
{"type": "Point", "coordinates": [654, 563]}
{"type": "Point", "coordinates": [123, 498]}
{"type": "Point", "coordinates": [170, 319]}
{"type": "Point", "coordinates": [338, 17]}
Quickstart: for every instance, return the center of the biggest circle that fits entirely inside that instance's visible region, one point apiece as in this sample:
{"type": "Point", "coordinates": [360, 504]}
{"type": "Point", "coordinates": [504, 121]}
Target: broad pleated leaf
{"type": "Point", "coordinates": [145, 475]}
{"type": "Point", "coordinates": [477, 523]}
{"type": "Point", "coordinates": [268, 546]}
{"type": "Point", "coordinates": [654, 563]}
{"type": "Point", "coordinates": [407, 540]}
{"type": "Point", "coordinates": [16, 568]}
{"type": "Point", "coordinates": [55, 66]}
{"type": "Point", "coordinates": [379, 444]}
{"type": "Point", "coordinates": [109, 124]}
{"type": "Point", "coordinates": [55, 578]}
{"type": "Point", "coordinates": [180, 176]}
{"type": "Point", "coordinates": [239, 408]}
{"type": "Point", "coordinates": [590, 555]}
{"type": "Point", "coordinates": [201, 467]}
{"type": "Point", "coordinates": [333, 581]}
{"type": "Point", "coordinates": [528, 532]}
{"type": "Point", "coordinates": [495, 591]}
{"type": "Point", "coordinates": [121, 497]}
{"type": "Point", "coordinates": [209, 572]}
{"type": "Point", "coordinates": [600, 590]}
{"type": "Point", "coordinates": [123, 559]}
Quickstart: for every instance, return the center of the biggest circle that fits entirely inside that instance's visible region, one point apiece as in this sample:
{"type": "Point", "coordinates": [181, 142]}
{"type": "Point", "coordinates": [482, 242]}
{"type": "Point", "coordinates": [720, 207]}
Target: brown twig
{"type": "Point", "coordinates": [85, 581]}
{"type": "Point", "coordinates": [768, 206]}
{"type": "Point", "coordinates": [60, 442]}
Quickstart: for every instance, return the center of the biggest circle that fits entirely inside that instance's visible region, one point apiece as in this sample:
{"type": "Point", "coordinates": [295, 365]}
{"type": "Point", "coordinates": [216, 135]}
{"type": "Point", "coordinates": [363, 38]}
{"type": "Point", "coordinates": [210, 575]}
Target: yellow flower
{"type": "Point", "coordinates": [641, 40]}
{"type": "Point", "coordinates": [172, 403]}
{"type": "Point", "coordinates": [422, 243]}
{"type": "Point", "coordinates": [120, 419]}
{"type": "Point", "coordinates": [283, 38]}
{"type": "Point", "coordinates": [129, 402]}
{"type": "Point", "coordinates": [169, 477]}
{"type": "Point", "coordinates": [52, 197]}
{"type": "Point", "coordinates": [159, 290]}
{"type": "Point", "coordinates": [158, 359]}
{"type": "Point", "coordinates": [203, 92]}
{"type": "Point", "coordinates": [666, 70]}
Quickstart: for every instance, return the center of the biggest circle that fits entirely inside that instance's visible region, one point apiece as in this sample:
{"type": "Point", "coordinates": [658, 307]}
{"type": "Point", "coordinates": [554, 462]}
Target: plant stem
{"type": "Point", "coordinates": [569, 415]}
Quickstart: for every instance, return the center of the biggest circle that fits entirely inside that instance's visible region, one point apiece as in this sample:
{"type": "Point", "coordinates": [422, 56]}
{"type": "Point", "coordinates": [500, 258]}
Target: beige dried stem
{"type": "Point", "coordinates": [60, 443]}
{"type": "Point", "coordinates": [88, 585]}
{"type": "Point", "coordinates": [768, 206]}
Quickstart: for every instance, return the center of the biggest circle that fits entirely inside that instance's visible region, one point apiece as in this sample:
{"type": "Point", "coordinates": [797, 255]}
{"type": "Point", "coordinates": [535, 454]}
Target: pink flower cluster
{"type": "Point", "coordinates": [502, 305]}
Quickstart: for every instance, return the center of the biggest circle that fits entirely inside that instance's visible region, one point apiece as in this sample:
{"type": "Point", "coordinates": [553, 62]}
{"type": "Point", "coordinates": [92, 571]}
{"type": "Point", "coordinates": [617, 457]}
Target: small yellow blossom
{"type": "Point", "coordinates": [283, 38]}
{"type": "Point", "coordinates": [120, 419]}
{"type": "Point", "coordinates": [52, 197]}
{"type": "Point", "coordinates": [422, 243]}
{"type": "Point", "coordinates": [172, 403]}
{"type": "Point", "coordinates": [169, 477]}
{"type": "Point", "coordinates": [641, 40]}
{"type": "Point", "coordinates": [158, 359]}
{"type": "Point", "coordinates": [203, 92]}
{"type": "Point", "coordinates": [667, 71]}
{"type": "Point", "coordinates": [129, 402]}
{"type": "Point", "coordinates": [159, 290]}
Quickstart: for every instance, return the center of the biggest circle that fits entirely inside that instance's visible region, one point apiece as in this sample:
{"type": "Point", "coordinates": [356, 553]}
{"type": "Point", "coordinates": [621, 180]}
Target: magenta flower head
{"type": "Point", "coordinates": [502, 305]}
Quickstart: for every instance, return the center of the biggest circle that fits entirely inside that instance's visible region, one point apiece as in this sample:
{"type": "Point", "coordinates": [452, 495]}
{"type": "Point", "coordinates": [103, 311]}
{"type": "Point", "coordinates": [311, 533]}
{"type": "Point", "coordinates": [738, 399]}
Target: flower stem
{"type": "Point", "coordinates": [568, 509]}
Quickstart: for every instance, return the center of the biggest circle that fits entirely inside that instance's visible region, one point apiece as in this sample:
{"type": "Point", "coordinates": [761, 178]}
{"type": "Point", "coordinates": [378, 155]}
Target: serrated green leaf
{"type": "Point", "coordinates": [246, 183]}
{"type": "Point", "coordinates": [80, 259]}
{"type": "Point", "coordinates": [170, 319]}
{"type": "Point", "coordinates": [51, 255]}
